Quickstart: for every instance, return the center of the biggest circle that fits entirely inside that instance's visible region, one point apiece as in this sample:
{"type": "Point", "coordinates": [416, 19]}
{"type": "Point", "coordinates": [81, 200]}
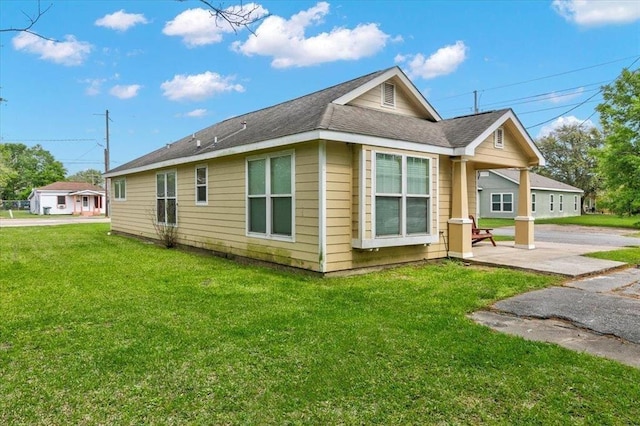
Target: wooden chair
{"type": "Point", "coordinates": [480, 234]}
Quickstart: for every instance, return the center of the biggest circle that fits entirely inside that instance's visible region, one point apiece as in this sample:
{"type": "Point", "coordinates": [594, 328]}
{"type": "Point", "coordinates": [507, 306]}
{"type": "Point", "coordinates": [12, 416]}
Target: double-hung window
{"type": "Point", "coordinates": [270, 189]}
{"type": "Point", "coordinates": [575, 203]}
{"type": "Point", "coordinates": [533, 202]}
{"type": "Point", "coordinates": [502, 203]}
{"type": "Point", "coordinates": [561, 202]}
{"type": "Point", "coordinates": [402, 195]}
{"type": "Point", "coordinates": [119, 189]}
{"type": "Point", "coordinates": [201, 185]}
{"type": "Point", "coordinates": [551, 202]}
{"type": "Point", "coordinates": [166, 198]}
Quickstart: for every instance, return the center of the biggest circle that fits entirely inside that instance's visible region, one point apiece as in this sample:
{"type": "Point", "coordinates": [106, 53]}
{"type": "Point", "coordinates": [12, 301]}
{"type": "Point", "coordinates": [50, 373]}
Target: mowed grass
{"type": "Point", "coordinates": [99, 329]}
{"type": "Point", "coordinates": [630, 255]}
{"type": "Point", "coordinates": [606, 220]}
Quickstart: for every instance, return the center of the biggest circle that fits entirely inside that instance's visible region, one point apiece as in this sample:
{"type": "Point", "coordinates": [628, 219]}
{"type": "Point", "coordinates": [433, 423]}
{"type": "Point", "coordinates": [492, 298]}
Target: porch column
{"type": "Point", "coordinates": [459, 223]}
{"type": "Point", "coordinates": [524, 220]}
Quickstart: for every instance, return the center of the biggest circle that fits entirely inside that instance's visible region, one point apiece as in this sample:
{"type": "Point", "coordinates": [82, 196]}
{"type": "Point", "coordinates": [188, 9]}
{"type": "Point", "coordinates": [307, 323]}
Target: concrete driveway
{"type": "Point", "coordinates": [596, 311]}
{"type": "Point", "coordinates": [599, 315]}
{"type": "Point", "coordinates": [581, 235]}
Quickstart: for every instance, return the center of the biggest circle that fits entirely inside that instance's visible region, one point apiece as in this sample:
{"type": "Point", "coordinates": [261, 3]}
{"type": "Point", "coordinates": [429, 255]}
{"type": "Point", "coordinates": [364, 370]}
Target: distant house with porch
{"type": "Point", "coordinates": [75, 198]}
{"type": "Point", "coordinates": [498, 195]}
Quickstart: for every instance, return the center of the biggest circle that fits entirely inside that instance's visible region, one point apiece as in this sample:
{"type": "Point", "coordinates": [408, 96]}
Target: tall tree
{"type": "Point", "coordinates": [570, 152]}
{"type": "Point", "coordinates": [35, 167]}
{"type": "Point", "coordinates": [620, 158]}
{"type": "Point", "coordinates": [89, 175]}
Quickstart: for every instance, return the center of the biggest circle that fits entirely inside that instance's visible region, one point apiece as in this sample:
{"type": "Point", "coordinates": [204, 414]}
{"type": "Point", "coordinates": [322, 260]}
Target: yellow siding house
{"type": "Point", "coordinates": [361, 174]}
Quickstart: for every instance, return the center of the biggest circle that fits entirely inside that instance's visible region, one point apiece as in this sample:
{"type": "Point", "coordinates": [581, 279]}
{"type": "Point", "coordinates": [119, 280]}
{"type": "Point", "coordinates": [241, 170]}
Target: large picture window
{"type": "Point", "coordinates": [270, 195]}
{"type": "Point", "coordinates": [166, 198]}
{"type": "Point", "coordinates": [502, 203]}
{"type": "Point", "coordinates": [402, 195]}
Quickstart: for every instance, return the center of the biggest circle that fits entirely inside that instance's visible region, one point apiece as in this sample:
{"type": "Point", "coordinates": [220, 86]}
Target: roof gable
{"type": "Point", "coordinates": [396, 75]}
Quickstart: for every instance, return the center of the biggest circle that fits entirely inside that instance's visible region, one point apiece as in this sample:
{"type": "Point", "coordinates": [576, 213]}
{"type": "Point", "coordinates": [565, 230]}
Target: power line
{"type": "Point", "coordinates": [18, 140]}
{"type": "Point", "coordinates": [581, 103]}
{"type": "Point", "coordinates": [541, 78]}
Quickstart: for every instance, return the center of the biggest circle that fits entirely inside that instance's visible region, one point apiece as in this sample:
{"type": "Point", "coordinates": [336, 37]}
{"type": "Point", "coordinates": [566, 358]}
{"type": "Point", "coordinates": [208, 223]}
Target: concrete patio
{"type": "Point", "coordinates": [548, 257]}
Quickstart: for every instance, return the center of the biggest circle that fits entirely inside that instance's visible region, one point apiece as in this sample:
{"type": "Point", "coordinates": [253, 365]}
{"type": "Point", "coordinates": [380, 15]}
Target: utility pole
{"type": "Point", "coordinates": [106, 167]}
{"type": "Point", "coordinates": [106, 164]}
{"type": "Point", "coordinates": [475, 101]}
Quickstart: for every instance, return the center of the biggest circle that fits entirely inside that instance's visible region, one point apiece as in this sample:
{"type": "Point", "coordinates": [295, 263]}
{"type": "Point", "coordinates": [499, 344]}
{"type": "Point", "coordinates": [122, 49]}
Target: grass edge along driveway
{"type": "Point", "coordinates": [98, 329]}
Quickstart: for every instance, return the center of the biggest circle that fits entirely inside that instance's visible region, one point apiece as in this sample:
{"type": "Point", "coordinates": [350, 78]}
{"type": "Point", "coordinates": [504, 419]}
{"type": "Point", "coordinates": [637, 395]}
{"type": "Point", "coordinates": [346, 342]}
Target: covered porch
{"type": "Point", "coordinates": [87, 203]}
{"type": "Point", "coordinates": [505, 144]}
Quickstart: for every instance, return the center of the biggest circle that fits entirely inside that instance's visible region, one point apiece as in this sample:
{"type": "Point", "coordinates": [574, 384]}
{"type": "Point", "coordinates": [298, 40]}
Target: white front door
{"type": "Point", "coordinates": [85, 204]}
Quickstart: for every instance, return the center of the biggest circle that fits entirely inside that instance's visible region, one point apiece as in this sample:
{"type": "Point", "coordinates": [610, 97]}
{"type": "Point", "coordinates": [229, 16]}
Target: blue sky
{"type": "Point", "coordinates": [164, 69]}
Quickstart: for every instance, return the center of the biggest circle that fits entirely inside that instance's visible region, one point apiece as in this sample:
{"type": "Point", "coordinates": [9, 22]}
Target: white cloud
{"type": "Point", "coordinates": [198, 87]}
{"type": "Point", "coordinates": [69, 52]}
{"type": "Point", "coordinates": [94, 86]}
{"type": "Point", "coordinates": [125, 92]}
{"type": "Point", "coordinates": [563, 121]}
{"type": "Point", "coordinates": [199, 27]}
{"type": "Point", "coordinates": [121, 20]}
{"type": "Point", "coordinates": [196, 113]}
{"type": "Point", "coordinates": [444, 61]}
{"type": "Point", "coordinates": [286, 42]}
{"type": "Point", "coordinates": [598, 12]}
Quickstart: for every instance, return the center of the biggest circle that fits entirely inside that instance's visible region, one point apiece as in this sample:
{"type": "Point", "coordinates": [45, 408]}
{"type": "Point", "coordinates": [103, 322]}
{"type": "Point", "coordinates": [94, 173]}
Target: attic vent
{"type": "Point", "coordinates": [498, 138]}
{"type": "Point", "coordinates": [388, 94]}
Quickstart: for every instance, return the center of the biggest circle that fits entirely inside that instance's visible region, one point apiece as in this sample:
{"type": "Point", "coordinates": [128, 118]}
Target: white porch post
{"type": "Point", "coordinates": [459, 224]}
{"type": "Point", "coordinates": [524, 220]}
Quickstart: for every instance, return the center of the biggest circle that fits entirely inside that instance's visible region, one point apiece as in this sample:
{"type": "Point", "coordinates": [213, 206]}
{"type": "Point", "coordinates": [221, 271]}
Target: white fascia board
{"type": "Point", "coordinates": [573, 191]}
{"type": "Point", "coordinates": [289, 140]}
{"type": "Point", "coordinates": [470, 149]}
{"type": "Point", "coordinates": [393, 72]}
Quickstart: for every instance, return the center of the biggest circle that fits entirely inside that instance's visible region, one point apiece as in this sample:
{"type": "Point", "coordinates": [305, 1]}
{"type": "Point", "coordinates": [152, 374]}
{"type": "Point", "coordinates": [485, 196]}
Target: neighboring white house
{"type": "Point", "coordinates": [498, 195]}
{"type": "Point", "coordinates": [77, 198]}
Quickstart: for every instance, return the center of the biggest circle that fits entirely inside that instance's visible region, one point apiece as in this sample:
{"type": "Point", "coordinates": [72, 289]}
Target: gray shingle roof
{"type": "Point", "coordinates": [317, 112]}
{"type": "Point", "coordinates": [538, 181]}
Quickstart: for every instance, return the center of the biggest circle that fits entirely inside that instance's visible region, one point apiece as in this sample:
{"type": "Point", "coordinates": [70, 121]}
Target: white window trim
{"type": "Point", "coordinates": [382, 95]}
{"type": "Point", "coordinates": [560, 203]}
{"type": "Point", "coordinates": [268, 235]}
{"type": "Point", "coordinates": [404, 239]}
{"type": "Point", "coordinates": [501, 194]}
{"type": "Point", "coordinates": [118, 182]}
{"type": "Point", "coordinates": [551, 202]}
{"type": "Point", "coordinates": [155, 190]}
{"type": "Point", "coordinates": [206, 184]}
{"type": "Point", "coordinates": [498, 138]}
{"type": "Point", "coordinates": [533, 202]}
{"type": "Point", "coordinates": [575, 203]}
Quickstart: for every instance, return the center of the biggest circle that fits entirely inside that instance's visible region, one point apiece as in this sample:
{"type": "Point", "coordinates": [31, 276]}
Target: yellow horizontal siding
{"type": "Point", "coordinates": [221, 224]}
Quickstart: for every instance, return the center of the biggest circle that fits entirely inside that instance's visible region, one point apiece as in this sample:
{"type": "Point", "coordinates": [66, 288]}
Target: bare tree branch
{"type": "Point", "coordinates": [236, 18]}
{"type": "Point", "coordinates": [33, 19]}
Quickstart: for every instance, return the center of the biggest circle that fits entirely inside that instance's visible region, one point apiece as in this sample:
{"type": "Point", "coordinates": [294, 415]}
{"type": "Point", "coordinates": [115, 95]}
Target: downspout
{"type": "Point", "coordinates": [322, 203]}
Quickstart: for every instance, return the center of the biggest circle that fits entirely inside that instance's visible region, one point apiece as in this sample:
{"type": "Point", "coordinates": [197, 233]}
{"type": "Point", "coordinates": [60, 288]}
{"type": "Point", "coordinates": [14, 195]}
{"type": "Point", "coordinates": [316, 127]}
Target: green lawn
{"type": "Point", "coordinates": [606, 220]}
{"type": "Point", "coordinates": [18, 214]}
{"type": "Point", "coordinates": [99, 329]}
{"type": "Point", "coordinates": [630, 255]}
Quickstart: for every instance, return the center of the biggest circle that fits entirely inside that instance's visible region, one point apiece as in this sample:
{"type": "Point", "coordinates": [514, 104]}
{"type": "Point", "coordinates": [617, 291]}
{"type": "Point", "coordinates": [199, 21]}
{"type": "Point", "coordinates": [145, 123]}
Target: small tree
{"type": "Point", "coordinates": [571, 154]}
{"type": "Point", "coordinates": [620, 158]}
{"type": "Point", "coordinates": [34, 167]}
{"type": "Point", "coordinates": [92, 176]}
